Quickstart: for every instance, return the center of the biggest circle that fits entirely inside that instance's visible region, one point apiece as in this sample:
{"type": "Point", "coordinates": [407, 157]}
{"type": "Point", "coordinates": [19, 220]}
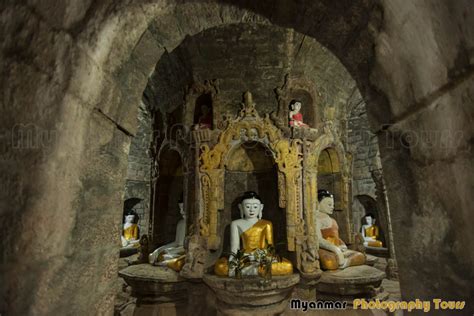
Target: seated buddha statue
{"type": "Point", "coordinates": [172, 255]}
{"type": "Point", "coordinates": [249, 234]}
{"type": "Point", "coordinates": [333, 252]}
{"type": "Point", "coordinates": [370, 232]}
{"type": "Point", "coordinates": [130, 231]}
{"type": "Point", "coordinates": [295, 117]}
{"type": "Point", "coordinates": [205, 120]}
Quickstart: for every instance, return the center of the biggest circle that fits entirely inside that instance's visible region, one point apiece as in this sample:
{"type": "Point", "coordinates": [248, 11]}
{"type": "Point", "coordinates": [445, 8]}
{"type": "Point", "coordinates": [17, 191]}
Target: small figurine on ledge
{"type": "Point", "coordinates": [130, 231]}
{"type": "Point", "coordinates": [333, 252]}
{"type": "Point", "coordinates": [370, 232]}
{"type": "Point", "coordinates": [256, 235]}
{"type": "Point", "coordinates": [205, 120]}
{"type": "Point", "coordinates": [295, 117]}
{"type": "Point", "coordinates": [172, 255]}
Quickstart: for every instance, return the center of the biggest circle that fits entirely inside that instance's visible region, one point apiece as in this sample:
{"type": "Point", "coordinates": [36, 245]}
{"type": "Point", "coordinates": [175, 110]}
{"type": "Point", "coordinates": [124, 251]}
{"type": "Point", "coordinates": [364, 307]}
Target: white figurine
{"type": "Point", "coordinates": [130, 231]}
{"type": "Point", "coordinates": [172, 255]}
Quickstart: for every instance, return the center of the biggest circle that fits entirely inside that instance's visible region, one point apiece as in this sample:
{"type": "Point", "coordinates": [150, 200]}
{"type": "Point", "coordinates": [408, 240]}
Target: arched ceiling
{"type": "Point", "coordinates": [248, 56]}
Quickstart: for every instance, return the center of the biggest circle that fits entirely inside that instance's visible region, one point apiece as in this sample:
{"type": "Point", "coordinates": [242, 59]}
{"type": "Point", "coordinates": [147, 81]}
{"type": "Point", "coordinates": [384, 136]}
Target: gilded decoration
{"type": "Point", "coordinates": [250, 126]}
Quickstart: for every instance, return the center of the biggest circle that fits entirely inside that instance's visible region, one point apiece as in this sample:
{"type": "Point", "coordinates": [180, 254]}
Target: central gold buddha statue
{"type": "Point", "coordinates": [255, 234]}
{"type": "Point", "coordinates": [333, 252]}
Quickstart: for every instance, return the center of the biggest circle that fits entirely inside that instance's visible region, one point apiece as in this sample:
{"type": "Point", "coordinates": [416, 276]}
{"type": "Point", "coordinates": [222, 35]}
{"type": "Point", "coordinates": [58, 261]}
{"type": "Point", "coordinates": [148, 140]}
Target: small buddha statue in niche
{"type": "Point", "coordinates": [172, 255]}
{"type": "Point", "coordinates": [130, 231]}
{"type": "Point", "coordinates": [370, 232]}
{"type": "Point", "coordinates": [255, 233]}
{"type": "Point", "coordinates": [295, 117]}
{"type": "Point", "coordinates": [205, 120]}
{"type": "Point", "coordinates": [333, 252]}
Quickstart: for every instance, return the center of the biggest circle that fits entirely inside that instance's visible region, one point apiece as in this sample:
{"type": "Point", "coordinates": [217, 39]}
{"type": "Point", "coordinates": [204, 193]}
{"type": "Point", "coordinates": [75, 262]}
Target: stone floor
{"type": "Point", "coordinates": [125, 304]}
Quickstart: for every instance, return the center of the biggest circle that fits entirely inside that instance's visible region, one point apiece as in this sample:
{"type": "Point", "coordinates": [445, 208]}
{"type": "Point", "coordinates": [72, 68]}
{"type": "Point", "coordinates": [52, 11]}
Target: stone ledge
{"type": "Point", "coordinates": [358, 280]}
{"type": "Point", "coordinates": [152, 283]}
{"type": "Point", "coordinates": [251, 283]}
{"type": "Point", "coordinates": [252, 295]}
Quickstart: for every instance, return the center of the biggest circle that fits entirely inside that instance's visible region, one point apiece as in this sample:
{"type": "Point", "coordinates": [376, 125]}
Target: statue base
{"type": "Point", "coordinates": [159, 290]}
{"type": "Point", "coordinates": [353, 282]}
{"type": "Point", "coordinates": [306, 288]}
{"type": "Point", "coordinates": [378, 251]}
{"type": "Point", "coordinates": [253, 295]}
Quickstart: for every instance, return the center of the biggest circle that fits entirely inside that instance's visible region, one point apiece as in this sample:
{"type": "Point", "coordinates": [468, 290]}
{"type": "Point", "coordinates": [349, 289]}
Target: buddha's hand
{"type": "Point", "coordinates": [340, 257]}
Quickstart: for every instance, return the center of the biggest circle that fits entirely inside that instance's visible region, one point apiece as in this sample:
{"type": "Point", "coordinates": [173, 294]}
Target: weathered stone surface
{"type": "Point", "coordinates": [351, 281]}
{"type": "Point", "coordinates": [251, 295]}
{"type": "Point", "coordinates": [158, 290]}
{"type": "Point", "coordinates": [139, 168]}
{"type": "Point", "coordinates": [58, 65]}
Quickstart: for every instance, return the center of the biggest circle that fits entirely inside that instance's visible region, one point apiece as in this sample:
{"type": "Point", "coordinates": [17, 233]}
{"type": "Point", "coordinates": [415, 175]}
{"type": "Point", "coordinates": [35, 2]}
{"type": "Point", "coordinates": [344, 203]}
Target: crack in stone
{"type": "Point", "coordinates": [119, 127]}
{"type": "Point", "coordinates": [429, 99]}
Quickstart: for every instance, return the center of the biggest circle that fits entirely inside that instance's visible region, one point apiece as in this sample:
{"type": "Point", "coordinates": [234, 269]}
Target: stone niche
{"type": "Point", "coordinates": [330, 178]}
{"type": "Point", "coordinates": [168, 191]}
{"type": "Point", "coordinates": [204, 100]}
{"type": "Point", "coordinates": [368, 205]}
{"type": "Point", "coordinates": [250, 167]}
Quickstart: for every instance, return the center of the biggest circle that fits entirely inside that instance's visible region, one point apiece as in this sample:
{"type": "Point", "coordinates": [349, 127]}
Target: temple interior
{"type": "Point", "coordinates": [236, 157]}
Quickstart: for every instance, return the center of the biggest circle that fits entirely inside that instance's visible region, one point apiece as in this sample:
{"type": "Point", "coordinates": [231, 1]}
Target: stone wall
{"type": "Point", "coordinates": [80, 67]}
{"type": "Point", "coordinates": [363, 145]}
{"type": "Point", "coordinates": [137, 184]}
{"type": "Point", "coordinates": [242, 57]}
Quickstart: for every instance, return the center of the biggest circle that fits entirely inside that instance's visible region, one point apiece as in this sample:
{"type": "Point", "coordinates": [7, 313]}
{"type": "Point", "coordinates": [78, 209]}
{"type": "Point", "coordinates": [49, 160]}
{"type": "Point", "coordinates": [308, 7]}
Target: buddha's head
{"type": "Point", "coordinates": [205, 109]}
{"type": "Point", "coordinates": [295, 105]}
{"type": "Point", "coordinates": [369, 219]}
{"type": "Point", "coordinates": [250, 205]}
{"type": "Point", "coordinates": [326, 201]}
{"type": "Point", "coordinates": [130, 217]}
{"type": "Point", "coordinates": [181, 208]}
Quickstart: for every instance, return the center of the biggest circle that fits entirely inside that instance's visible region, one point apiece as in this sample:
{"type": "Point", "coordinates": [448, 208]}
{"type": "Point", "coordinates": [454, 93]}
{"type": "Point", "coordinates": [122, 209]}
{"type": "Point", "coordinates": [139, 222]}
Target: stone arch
{"type": "Point", "coordinates": [303, 89]}
{"type": "Point", "coordinates": [395, 55]}
{"type": "Point", "coordinates": [370, 206]}
{"type": "Point", "coordinates": [259, 174]}
{"type": "Point", "coordinates": [341, 177]}
{"type": "Point", "coordinates": [169, 188]}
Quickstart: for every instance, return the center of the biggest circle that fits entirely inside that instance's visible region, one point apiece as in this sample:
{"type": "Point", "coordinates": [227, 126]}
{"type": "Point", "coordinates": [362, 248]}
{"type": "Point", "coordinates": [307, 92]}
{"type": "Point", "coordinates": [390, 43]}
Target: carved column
{"type": "Point", "coordinates": [309, 252]}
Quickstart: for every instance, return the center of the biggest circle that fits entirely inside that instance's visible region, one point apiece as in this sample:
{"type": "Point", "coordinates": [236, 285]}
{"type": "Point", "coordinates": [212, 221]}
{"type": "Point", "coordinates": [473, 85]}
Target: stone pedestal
{"type": "Point", "coordinates": [353, 282]}
{"type": "Point", "coordinates": [306, 288]}
{"type": "Point", "coordinates": [378, 251]}
{"type": "Point", "coordinates": [159, 290]}
{"type": "Point", "coordinates": [251, 296]}
{"type": "Point", "coordinates": [370, 260]}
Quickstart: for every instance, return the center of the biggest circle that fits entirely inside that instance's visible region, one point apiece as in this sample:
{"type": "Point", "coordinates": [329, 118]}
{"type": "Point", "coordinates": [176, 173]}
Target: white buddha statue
{"type": "Point", "coordinates": [172, 255]}
{"type": "Point", "coordinates": [255, 233]}
{"type": "Point", "coordinates": [130, 231]}
{"type": "Point", "coordinates": [333, 252]}
{"type": "Point", "coordinates": [295, 118]}
{"type": "Point", "coordinates": [370, 232]}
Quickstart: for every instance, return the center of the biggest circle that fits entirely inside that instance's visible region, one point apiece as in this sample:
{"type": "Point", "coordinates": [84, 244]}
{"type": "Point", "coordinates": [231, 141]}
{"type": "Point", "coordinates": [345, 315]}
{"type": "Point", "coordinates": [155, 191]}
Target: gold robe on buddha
{"type": "Point", "coordinates": [131, 233]}
{"type": "Point", "coordinates": [176, 263]}
{"type": "Point", "coordinates": [373, 231]}
{"type": "Point", "coordinates": [259, 236]}
{"type": "Point", "coordinates": [329, 259]}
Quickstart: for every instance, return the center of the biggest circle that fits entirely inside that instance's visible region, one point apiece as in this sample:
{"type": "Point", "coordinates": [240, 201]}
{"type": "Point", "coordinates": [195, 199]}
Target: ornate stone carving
{"type": "Point", "coordinates": [204, 220]}
{"type": "Point", "coordinates": [248, 107]}
{"type": "Point", "coordinates": [249, 126]}
{"type": "Point", "coordinates": [281, 190]}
